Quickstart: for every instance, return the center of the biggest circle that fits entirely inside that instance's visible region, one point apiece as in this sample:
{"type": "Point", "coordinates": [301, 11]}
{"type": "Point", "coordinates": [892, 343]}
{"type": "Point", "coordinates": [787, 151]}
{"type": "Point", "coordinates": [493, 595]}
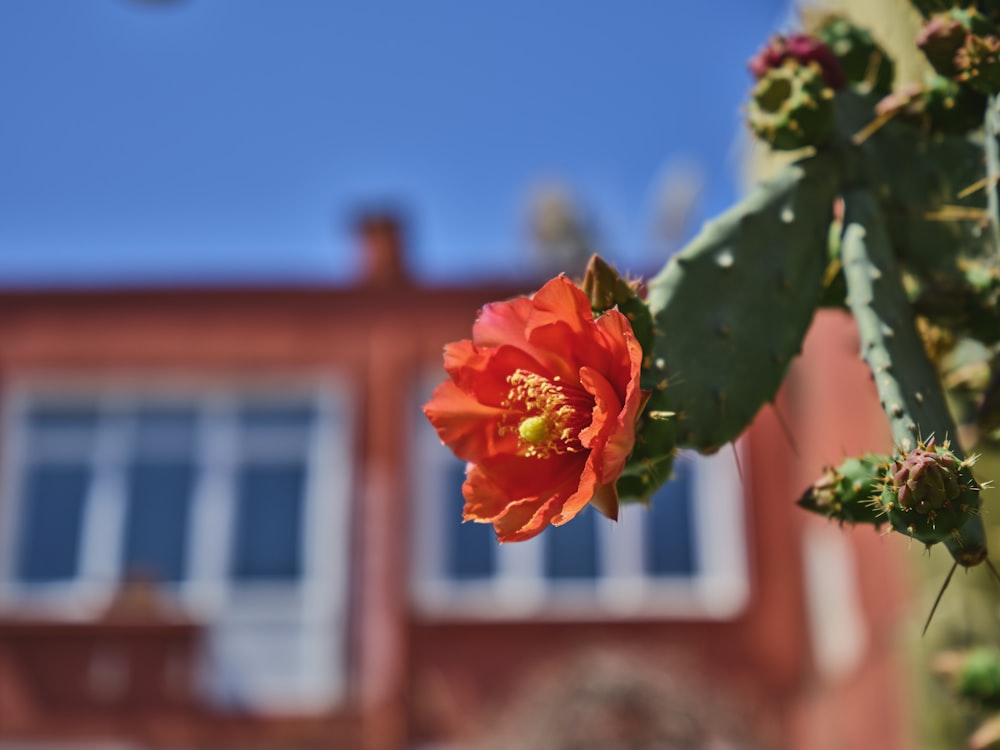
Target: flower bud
{"type": "Point", "coordinates": [603, 286]}
{"type": "Point", "coordinates": [803, 49]}
{"type": "Point", "coordinates": [940, 38]}
{"type": "Point", "coordinates": [925, 480]}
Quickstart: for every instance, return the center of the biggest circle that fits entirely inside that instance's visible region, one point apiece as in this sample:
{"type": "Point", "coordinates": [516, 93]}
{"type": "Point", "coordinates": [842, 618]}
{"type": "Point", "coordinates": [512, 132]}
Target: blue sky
{"type": "Point", "coordinates": [232, 141]}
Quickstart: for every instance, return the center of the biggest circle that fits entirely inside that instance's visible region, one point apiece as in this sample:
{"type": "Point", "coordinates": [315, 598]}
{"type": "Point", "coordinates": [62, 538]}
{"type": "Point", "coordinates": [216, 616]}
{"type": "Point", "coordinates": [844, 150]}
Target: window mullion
{"type": "Point", "coordinates": [213, 506]}
{"type": "Point", "coordinates": [105, 505]}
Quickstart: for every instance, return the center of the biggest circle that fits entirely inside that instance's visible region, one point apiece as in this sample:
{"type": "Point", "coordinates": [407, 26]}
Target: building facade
{"type": "Point", "coordinates": [224, 523]}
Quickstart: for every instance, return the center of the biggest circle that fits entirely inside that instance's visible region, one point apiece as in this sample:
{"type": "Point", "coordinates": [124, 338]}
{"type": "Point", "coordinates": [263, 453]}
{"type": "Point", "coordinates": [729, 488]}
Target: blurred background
{"type": "Point", "coordinates": [164, 141]}
{"type": "Point", "coordinates": [234, 236]}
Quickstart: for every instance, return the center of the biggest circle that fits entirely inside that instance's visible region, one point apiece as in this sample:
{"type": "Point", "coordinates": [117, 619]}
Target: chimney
{"type": "Point", "coordinates": [380, 234]}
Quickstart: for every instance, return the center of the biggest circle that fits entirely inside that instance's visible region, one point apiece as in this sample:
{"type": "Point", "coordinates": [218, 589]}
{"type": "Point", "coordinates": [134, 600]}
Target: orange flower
{"type": "Point", "coordinates": [542, 404]}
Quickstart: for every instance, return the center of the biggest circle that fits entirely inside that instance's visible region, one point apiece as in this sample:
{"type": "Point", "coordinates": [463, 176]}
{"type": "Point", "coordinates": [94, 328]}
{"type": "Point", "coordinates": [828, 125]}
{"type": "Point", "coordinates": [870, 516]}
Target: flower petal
{"type": "Point", "coordinates": [524, 521]}
{"type": "Point", "coordinates": [606, 406]}
{"type": "Point", "coordinates": [555, 327]}
{"type": "Point", "coordinates": [611, 434]}
{"type": "Point", "coordinates": [468, 427]}
{"type": "Point", "coordinates": [579, 499]}
{"type": "Point", "coordinates": [523, 476]}
{"type": "Point", "coordinates": [514, 521]}
{"type": "Point", "coordinates": [485, 501]}
{"type": "Point", "coordinates": [482, 373]}
{"type": "Point", "coordinates": [561, 301]}
{"type": "Point", "coordinates": [500, 323]}
{"type": "Point", "coordinates": [616, 332]}
{"type": "Point", "coordinates": [606, 500]}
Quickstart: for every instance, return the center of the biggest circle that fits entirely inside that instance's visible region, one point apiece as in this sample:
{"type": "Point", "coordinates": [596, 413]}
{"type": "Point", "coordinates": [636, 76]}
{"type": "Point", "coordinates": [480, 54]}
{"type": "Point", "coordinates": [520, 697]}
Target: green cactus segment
{"type": "Point", "coordinates": [792, 107]}
{"type": "Point", "coordinates": [651, 461]}
{"type": "Point", "coordinates": [849, 493]}
{"type": "Point", "coordinates": [865, 63]}
{"type": "Point", "coordinates": [652, 458]}
{"type": "Point", "coordinates": [906, 380]}
{"type": "Point", "coordinates": [951, 109]}
{"type": "Point", "coordinates": [918, 178]}
{"type": "Point", "coordinates": [834, 289]}
{"type": "Point", "coordinates": [732, 307]}
{"type": "Point", "coordinates": [907, 383]}
{"type": "Point", "coordinates": [937, 235]}
{"type": "Point", "coordinates": [978, 677]}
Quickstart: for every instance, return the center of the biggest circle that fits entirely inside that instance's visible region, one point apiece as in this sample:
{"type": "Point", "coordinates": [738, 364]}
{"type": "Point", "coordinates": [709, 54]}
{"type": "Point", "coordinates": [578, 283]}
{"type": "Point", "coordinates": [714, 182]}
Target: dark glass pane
{"type": "Point", "coordinates": [472, 547]}
{"type": "Point", "coordinates": [282, 415]}
{"type": "Point", "coordinates": [165, 430]}
{"type": "Point", "coordinates": [156, 522]}
{"type": "Point", "coordinates": [63, 416]}
{"type": "Point", "coordinates": [51, 522]}
{"type": "Point", "coordinates": [571, 550]}
{"type": "Point", "coordinates": [670, 541]}
{"type": "Point", "coordinates": [268, 521]}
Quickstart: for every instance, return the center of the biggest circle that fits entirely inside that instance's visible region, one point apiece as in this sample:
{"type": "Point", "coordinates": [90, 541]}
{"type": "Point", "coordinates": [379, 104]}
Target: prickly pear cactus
{"type": "Point", "coordinates": [893, 213]}
{"type": "Point", "coordinates": [914, 236]}
{"type": "Point", "coordinates": [792, 106]}
{"type": "Point", "coordinates": [732, 308]}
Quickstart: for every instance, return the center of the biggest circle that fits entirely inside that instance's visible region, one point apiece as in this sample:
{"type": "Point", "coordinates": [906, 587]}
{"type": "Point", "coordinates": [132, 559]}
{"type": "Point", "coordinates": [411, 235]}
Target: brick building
{"type": "Point", "coordinates": [224, 524]}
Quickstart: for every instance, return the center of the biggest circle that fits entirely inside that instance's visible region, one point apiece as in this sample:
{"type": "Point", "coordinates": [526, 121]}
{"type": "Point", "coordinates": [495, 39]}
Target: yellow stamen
{"type": "Point", "coordinates": [551, 415]}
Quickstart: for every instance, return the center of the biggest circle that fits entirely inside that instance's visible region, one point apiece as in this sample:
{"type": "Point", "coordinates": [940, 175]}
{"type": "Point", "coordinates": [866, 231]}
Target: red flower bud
{"type": "Point", "coordinates": [926, 480]}
{"type": "Point", "coordinates": [940, 38]}
{"type": "Point", "coordinates": [804, 49]}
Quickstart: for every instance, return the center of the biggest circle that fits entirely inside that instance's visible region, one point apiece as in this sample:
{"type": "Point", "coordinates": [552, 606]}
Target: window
{"type": "Point", "coordinates": [684, 556]}
{"type": "Point", "coordinates": [233, 499]}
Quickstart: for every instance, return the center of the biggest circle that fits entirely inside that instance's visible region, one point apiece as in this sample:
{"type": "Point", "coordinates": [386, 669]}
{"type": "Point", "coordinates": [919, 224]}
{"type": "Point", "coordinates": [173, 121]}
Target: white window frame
{"type": "Point", "coordinates": [313, 606]}
{"type": "Point", "coordinates": [718, 590]}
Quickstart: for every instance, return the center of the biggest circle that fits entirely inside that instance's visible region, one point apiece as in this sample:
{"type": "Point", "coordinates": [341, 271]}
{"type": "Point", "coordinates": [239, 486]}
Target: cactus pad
{"type": "Point", "coordinates": [732, 307]}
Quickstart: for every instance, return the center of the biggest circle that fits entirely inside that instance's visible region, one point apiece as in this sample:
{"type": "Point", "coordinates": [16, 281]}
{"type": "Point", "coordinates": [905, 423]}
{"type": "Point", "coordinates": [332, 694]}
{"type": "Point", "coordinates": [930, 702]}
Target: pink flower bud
{"type": "Point", "coordinates": [804, 49]}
